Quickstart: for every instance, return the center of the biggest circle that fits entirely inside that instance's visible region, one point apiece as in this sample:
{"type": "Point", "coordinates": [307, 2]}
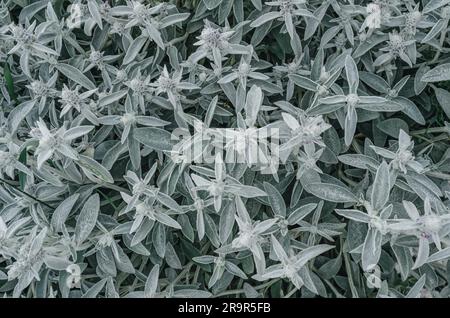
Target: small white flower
{"type": "Point", "coordinates": [308, 129]}
{"type": "Point", "coordinates": [213, 38]}
{"type": "Point", "coordinates": [373, 20]}
{"type": "Point", "coordinates": [76, 14]}
{"type": "Point", "coordinates": [74, 279]}
{"type": "Point", "coordinates": [56, 141]}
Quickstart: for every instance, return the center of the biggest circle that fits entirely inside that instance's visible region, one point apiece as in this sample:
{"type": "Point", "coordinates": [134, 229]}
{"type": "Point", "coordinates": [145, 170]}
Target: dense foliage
{"type": "Point", "coordinates": [324, 122]}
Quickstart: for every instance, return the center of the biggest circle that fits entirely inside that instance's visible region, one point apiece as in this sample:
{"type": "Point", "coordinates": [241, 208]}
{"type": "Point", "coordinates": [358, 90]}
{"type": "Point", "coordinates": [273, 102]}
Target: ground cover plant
{"type": "Point", "coordinates": [224, 148]}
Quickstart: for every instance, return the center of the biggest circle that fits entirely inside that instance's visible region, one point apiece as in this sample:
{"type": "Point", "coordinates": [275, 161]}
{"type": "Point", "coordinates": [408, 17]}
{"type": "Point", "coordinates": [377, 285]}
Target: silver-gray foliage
{"type": "Point", "coordinates": [98, 200]}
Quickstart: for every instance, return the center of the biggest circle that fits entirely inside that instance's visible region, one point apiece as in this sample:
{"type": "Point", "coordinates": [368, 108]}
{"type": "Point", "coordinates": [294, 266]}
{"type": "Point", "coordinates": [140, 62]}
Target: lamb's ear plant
{"type": "Point", "coordinates": [206, 148]}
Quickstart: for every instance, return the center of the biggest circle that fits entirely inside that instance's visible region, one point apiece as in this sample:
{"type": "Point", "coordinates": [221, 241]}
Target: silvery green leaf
{"type": "Point", "coordinates": [439, 255]}
{"type": "Point", "coordinates": [113, 153]}
{"type": "Point", "coordinates": [134, 49]}
{"type": "Point", "coordinates": [351, 71]}
{"type": "Point", "coordinates": [434, 4]}
{"type": "Point", "coordinates": [422, 253]}
{"type": "Point", "coordinates": [443, 98]}
{"type": "Point", "coordinates": [331, 192]}
{"type": "Point", "coordinates": [159, 239]}
{"type": "Point", "coordinates": [76, 132]}
{"type": "Point", "coordinates": [374, 81]}
{"type": "Point", "coordinates": [404, 259]}
{"type": "Point", "coordinates": [245, 191]}
{"type": "Point", "coordinates": [414, 292]}
{"type": "Point", "coordinates": [381, 187]}
{"type": "Point", "coordinates": [387, 106]}
{"type": "Point", "coordinates": [359, 161]}
{"type": "Point", "coordinates": [87, 219]}
{"type": "Point", "coordinates": [206, 259]}
{"type": "Point", "coordinates": [438, 74]}
{"type": "Point", "coordinates": [219, 277]}
{"type": "Point", "coordinates": [304, 82]}
{"type": "Point", "coordinates": [95, 13]}
{"type": "Point", "coordinates": [351, 120]}
{"type": "Point", "coordinates": [233, 269]}
{"type": "Point", "coordinates": [228, 78]}
{"type": "Point", "coordinates": [324, 108]}
{"type": "Point", "coordinates": [289, 24]}
{"type": "Point", "coordinates": [62, 212]}
{"type": "Point", "coordinates": [410, 109]}
{"type": "Point", "coordinates": [3, 276]}
{"type": "Point", "coordinates": [19, 113]}
{"type": "Point", "coordinates": [56, 263]}
{"type": "Point", "coordinates": [275, 199]}
{"type": "Point", "coordinates": [437, 28]}
{"type": "Point", "coordinates": [211, 231]}
{"type": "Point", "coordinates": [257, 4]}
{"type": "Point", "coordinates": [331, 268]}
{"type": "Point", "coordinates": [266, 17]}
{"type": "Point", "coordinates": [155, 35]}
{"type": "Point", "coordinates": [354, 215]}
{"type": "Point", "coordinates": [226, 222]}
{"type": "Point", "coordinates": [30, 10]}
{"type": "Point", "coordinates": [95, 289]}
{"type": "Point", "coordinates": [419, 85]}
{"type": "Point", "coordinates": [110, 289]}
{"type": "Point", "coordinates": [211, 4]}
{"type": "Point", "coordinates": [311, 252]}
{"type": "Point", "coordinates": [253, 105]}
{"type": "Point", "coordinates": [111, 98]}
{"type": "Point", "coordinates": [392, 126]}
{"type": "Point", "coordinates": [260, 32]}
{"type": "Point", "coordinates": [171, 257]}
{"type": "Point", "coordinates": [301, 212]}
{"type": "Point", "coordinates": [167, 220]}
{"type": "Point", "coordinates": [151, 121]}
{"type": "Point", "coordinates": [211, 109]}
{"type": "Point", "coordinates": [75, 75]}
{"type": "Point", "coordinates": [371, 250]}
{"type": "Point", "coordinates": [423, 187]}
{"type": "Point", "coordinates": [94, 170]}
{"type": "Point", "coordinates": [173, 19]}
{"type": "Point", "coordinates": [151, 284]}
{"type": "Point", "coordinates": [313, 23]}
{"type": "Point", "coordinates": [249, 291]}
{"type": "Point", "coordinates": [154, 138]}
